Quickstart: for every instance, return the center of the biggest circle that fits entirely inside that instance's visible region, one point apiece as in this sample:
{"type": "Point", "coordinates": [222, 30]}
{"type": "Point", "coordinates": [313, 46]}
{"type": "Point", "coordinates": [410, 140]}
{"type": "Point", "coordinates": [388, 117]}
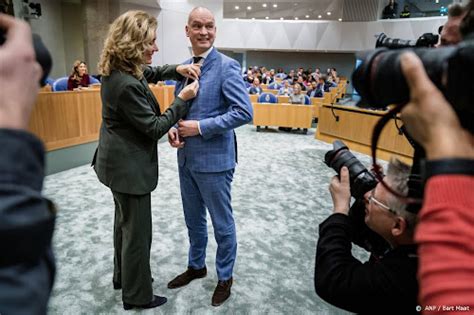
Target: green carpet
{"type": "Point", "coordinates": [280, 195]}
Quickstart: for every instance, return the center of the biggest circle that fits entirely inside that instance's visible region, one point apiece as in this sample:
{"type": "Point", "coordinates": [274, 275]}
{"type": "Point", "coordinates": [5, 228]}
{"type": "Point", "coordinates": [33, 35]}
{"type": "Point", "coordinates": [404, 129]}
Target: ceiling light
{"type": "Point", "coordinates": [237, 7]}
{"type": "Point", "coordinates": [319, 16]}
{"type": "Point", "coordinates": [275, 5]}
{"type": "Point", "coordinates": [437, 1]}
{"type": "Point", "coordinates": [266, 18]}
{"type": "Point", "coordinates": [249, 8]}
{"type": "Point", "coordinates": [281, 18]}
{"type": "Point", "coordinates": [329, 13]}
{"type": "Point", "coordinates": [340, 20]}
{"type": "Point", "coordinates": [236, 18]}
{"type": "Point", "coordinates": [307, 16]}
{"type": "Point", "coordinates": [253, 19]}
{"type": "Point", "coordinates": [264, 5]}
{"type": "Point", "coordinates": [296, 17]}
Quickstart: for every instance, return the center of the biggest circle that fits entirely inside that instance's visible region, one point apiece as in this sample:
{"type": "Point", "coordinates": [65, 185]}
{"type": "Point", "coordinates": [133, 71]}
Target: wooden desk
{"type": "Point", "coordinates": [355, 128]}
{"type": "Point", "coordinates": [271, 91]}
{"type": "Point", "coordinates": [164, 94]}
{"type": "Point", "coordinates": [65, 119]}
{"type": "Point", "coordinates": [282, 115]}
{"type": "Point", "coordinates": [253, 98]}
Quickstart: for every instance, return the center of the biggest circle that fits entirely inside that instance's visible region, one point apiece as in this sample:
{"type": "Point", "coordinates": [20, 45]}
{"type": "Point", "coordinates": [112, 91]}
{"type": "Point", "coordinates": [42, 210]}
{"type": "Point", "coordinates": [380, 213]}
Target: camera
{"type": "Point", "coordinates": [42, 55]}
{"type": "Point", "coordinates": [360, 178]}
{"type": "Point", "coordinates": [425, 40]}
{"type": "Point", "coordinates": [361, 181]}
{"type": "Point", "coordinates": [380, 82]}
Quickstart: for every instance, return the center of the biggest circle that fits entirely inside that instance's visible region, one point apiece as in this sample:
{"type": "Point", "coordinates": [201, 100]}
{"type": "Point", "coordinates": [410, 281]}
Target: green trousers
{"type": "Point", "coordinates": [132, 242]}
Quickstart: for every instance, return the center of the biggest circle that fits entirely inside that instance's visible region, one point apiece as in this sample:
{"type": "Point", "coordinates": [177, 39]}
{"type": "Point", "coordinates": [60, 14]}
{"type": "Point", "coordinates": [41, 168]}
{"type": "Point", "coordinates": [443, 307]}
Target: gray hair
{"type": "Point", "coordinates": [398, 174]}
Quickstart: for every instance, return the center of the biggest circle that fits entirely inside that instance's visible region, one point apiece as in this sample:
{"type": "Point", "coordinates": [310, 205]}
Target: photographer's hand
{"type": "Point", "coordinates": [19, 74]}
{"type": "Point", "coordinates": [429, 118]}
{"type": "Point", "coordinates": [341, 192]}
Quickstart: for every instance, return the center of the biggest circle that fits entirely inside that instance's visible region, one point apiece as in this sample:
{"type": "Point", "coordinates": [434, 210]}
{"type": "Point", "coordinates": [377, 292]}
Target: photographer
{"type": "Point", "coordinates": [26, 218]}
{"type": "Point", "coordinates": [380, 286]}
{"type": "Point", "coordinates": [446, 228]}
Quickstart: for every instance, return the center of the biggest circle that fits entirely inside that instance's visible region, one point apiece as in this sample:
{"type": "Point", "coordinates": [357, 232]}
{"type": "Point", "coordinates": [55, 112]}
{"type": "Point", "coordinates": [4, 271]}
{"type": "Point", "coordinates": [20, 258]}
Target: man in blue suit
{"type": "Point", "coordinates": [207, 154]}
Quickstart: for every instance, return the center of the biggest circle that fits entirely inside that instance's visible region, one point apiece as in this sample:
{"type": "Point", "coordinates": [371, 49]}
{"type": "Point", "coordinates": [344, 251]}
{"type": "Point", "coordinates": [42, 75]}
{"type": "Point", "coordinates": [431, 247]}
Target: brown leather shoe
{"type": "Point", "coordinates": [222, 292]}
{"type": "Point", "coordinates": [186, 277]}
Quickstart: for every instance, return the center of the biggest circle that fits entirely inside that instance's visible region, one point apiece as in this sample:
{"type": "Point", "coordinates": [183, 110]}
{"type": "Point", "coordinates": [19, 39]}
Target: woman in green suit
{"type": "Point", "coordinates": [126, 159]}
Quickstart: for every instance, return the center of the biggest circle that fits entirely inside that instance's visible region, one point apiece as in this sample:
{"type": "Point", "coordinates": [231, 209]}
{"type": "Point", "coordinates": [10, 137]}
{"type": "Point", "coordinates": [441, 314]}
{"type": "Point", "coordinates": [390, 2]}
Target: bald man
{"type": "Point", "coordinates": [207, 154]}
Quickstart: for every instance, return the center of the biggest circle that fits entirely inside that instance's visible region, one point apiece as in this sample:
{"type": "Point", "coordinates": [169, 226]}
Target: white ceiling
{"type": "Point", "coordinates": [312, 9]}
{"type": "Point", "coordinates": [301, 9]}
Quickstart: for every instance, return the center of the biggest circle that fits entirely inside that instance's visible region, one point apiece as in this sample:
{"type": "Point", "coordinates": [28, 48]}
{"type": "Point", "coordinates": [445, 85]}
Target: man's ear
{"type": "Point", "coordinates": [399, 226]}
{"type": "Point", "coordinates": [186, 29]}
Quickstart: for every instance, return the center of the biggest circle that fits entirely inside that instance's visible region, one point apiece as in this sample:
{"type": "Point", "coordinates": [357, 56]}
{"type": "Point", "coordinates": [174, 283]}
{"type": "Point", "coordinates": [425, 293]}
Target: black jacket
{"type": "Point", "coordinates": [385, 286]}
{"type": "Point", "coordinates": [26, 226]}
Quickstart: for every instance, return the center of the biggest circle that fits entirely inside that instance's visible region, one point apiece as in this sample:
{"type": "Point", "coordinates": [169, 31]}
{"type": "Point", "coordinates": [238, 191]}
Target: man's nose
{"type": "Point", "coordinates": [203, 30]}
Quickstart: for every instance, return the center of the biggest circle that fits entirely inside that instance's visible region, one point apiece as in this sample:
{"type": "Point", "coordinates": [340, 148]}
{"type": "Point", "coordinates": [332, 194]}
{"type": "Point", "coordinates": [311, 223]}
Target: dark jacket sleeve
{"type": "Point", "coordinates": [26, 226]}
{"type": "Point", "coordinates": [343, 281]}
{"type": "Point", "coordinates": [137, 110]}
{"type": "Point", "coordinates": [161, 73]}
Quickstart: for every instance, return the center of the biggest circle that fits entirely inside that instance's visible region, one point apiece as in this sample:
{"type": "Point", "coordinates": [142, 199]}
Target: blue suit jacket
{"type": "Point", "coordinates": [221, 105]}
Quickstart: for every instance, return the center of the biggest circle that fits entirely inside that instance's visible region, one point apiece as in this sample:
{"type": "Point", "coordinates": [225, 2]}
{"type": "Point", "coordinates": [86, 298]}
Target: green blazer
{"type": "Point", "coordinates": [126, 159]}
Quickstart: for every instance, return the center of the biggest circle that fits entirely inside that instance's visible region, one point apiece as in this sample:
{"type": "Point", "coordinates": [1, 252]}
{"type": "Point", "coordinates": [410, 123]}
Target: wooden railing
{"type": "Point", "coordinates": [64, 119]}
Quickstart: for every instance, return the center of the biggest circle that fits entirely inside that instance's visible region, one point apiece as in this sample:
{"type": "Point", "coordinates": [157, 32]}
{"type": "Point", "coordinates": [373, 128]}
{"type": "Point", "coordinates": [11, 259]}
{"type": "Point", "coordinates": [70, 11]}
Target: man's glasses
{"type": "Point", "coordinates": [372, 199]}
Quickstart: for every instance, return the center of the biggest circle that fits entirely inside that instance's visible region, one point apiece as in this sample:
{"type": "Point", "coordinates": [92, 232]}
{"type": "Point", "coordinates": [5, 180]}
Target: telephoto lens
{"type": "Point", "coordinates": [361, 180]}
{"type": "Point", "coordinates": [379, 79]}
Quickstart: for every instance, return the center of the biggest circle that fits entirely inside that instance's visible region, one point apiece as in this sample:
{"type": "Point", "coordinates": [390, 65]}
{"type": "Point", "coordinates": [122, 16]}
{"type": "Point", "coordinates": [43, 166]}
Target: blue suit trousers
{"type": "Point", "coordinates": [199, 191]}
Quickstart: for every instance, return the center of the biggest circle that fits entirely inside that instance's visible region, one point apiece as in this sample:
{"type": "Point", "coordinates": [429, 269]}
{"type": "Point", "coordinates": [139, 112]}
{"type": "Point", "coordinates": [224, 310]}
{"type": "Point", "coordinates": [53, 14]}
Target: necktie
{"type": "Point", "coordinates": [195, 60]}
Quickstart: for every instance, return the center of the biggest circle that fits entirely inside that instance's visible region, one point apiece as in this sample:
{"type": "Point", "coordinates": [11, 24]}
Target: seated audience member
{"type": "Point", "coordinates": [329, 83]}
{"type": "Point", "coordinates": [390, 11]}
{"type": "Point", "coordinates": [296, 97]}
{"type": "Point", "coordinates": [291, 76]}
{"type": "Point", "coordinates": [300, 81]}
{"type": "Point", "coordinates": [317, 89]}
{"type": "Point", "coordinates": [255, 88]}
{"type": "Point", "coordinates": [446, 221]}
{"type": "Point", "coordinates": [79, 77]}
{"type": "Point", "coordinates": [267, 77]}
{"type": "Point", "coordinates": [333, 75]}
{"type": "Point", "coordinates": [27, 219]}
{"type": "Point", "coordinates": [286, 89]}
{"type": "Point", "coordinates": [367, 288]}
{"type": "Point", "coordinates": [249, 77]}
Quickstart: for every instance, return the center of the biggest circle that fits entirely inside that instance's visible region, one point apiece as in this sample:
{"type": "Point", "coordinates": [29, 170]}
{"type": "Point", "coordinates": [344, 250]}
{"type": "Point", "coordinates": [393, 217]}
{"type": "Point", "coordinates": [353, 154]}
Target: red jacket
{"type": "Point", "coordinates": [445, 236]}
{"type": "Point", "coordinates": [72, 84]}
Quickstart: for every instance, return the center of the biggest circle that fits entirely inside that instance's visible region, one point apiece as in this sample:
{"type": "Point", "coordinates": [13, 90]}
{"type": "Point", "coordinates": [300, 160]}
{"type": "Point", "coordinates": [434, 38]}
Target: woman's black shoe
{"type": "Point", "coordinates": [157, 301]}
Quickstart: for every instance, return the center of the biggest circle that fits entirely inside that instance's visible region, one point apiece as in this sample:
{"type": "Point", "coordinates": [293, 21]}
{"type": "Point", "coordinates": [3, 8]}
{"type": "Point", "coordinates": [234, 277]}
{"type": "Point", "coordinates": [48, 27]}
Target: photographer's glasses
{"type": "Point", "coordinates": [372, 199]}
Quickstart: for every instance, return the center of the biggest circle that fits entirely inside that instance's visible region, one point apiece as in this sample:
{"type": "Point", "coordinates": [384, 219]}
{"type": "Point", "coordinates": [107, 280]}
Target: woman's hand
{"type": "Point", "coordinates": [189, 91]}
{"type": "Point", "coordinates": [192, 71]}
